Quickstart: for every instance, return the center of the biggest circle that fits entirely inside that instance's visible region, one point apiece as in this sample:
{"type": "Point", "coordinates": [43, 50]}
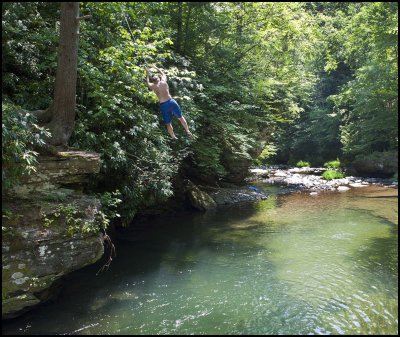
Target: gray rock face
{"type": "Point", "coordinates": [68, 168]}
{"type": "Point", "coordinates": [378, 162]}
{"type": "Point", "coordinates": [236, 166]}
{"type": "Point", "coordinates": [48, 231]}
{"type": "Point", "coordinates": [198, 199]}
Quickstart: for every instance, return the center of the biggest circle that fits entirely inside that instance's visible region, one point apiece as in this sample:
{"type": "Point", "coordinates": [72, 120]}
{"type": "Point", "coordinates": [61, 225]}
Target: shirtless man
{"type": "Point", "coordinates": [168, 105]}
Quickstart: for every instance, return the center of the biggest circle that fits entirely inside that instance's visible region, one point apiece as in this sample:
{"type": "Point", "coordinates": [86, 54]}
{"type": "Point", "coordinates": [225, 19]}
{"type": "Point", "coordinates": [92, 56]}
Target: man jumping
{"type": "Point", "coordinates": [168, 105]}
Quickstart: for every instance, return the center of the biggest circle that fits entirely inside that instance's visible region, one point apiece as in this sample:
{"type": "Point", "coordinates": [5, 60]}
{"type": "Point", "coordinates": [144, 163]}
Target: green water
{"type": "Point", "coordinates": [293, 264]}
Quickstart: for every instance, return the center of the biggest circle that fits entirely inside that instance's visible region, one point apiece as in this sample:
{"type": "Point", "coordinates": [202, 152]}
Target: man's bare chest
{"type": "Point", "coordinates": [161, 87]}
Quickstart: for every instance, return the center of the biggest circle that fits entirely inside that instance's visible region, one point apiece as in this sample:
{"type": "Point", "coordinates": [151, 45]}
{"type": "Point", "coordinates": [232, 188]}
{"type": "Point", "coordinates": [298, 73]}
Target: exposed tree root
{"type": "Point", "coordinates": [107, 240]}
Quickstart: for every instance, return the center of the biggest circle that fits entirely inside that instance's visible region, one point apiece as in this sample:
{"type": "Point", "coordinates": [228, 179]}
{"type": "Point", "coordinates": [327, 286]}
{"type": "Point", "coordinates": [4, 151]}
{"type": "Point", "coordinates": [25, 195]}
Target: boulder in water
{"type": "Point", "coordinates": [198, 199]}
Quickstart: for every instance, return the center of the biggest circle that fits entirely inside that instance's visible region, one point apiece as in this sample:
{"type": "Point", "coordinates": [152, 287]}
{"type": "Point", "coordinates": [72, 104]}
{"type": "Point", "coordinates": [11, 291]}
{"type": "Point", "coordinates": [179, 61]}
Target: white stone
{"type": "Point", "coordinates": [343, 188]}
{"type": "Point", "coordinates": [17, 275]}
{"type": "Point", "coordinates": [21, 280]}
{"type": "Point", "coordinates": [357, 185]}
{"type": "Point", "coordinates": [280, 174]}
{"type": "Point", "coordinates": [42, 250]}
{"type": "Point", "coordinates": [258, 171]}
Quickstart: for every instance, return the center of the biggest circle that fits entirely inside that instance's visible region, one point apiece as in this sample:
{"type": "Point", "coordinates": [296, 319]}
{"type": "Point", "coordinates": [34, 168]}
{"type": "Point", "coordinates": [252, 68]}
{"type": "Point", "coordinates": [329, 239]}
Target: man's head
{"type": "Point", "coordinates": [154, 79]}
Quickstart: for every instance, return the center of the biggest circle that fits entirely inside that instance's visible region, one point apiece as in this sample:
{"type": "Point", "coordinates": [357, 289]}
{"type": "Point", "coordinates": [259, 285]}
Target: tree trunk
{"type": "Point", "coordinates": [179, 36]}
{"type": "Point", "coordinates": [185, 46]}
{"type": "Point", "coordinates": [63, 107]}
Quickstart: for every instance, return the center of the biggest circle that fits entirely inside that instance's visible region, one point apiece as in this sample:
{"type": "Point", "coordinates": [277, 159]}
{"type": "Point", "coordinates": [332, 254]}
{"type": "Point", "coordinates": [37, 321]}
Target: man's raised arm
{"type": "Point", "coordinates": [147, 77]}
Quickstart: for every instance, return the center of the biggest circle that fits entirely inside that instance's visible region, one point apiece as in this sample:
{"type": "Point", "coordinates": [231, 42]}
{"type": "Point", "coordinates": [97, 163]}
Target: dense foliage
{"type": "Point", "coordinates": [289, 81]}
{"type": "Point", "coordinates": [332, 174]}
{"type": "Point", "coordinates": [355, 106]}
{"type": "Point", "coordinates": [20, 137]}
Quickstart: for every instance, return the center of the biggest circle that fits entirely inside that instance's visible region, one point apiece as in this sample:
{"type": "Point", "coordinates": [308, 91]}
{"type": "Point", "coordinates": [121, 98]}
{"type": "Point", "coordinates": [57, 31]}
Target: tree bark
{"type": "Point", "coordinates": [179, 35]}
{"type": "Point", "coordinates": [63, 107]}
{"type": "Point", "coordinates": [187, 27]}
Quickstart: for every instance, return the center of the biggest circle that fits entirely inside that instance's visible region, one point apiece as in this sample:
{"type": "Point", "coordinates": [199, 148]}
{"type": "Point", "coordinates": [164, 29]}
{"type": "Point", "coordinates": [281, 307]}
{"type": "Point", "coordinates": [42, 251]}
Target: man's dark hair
{"type": "Point", "coordinates": [154, 78]}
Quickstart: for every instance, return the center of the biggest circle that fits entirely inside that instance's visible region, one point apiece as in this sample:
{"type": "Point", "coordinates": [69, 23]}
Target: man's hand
{"type": "Point", "coordinates": [163, 75]}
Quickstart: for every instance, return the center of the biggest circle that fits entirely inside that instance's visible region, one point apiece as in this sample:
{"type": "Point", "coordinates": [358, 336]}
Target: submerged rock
{"type": "Point", "coordinates": [207, 197]}
{"type": "Point", "coordinates": [225, 196]}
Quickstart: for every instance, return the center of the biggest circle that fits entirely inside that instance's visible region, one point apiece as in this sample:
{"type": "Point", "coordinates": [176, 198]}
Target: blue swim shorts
{"type": "Point", "coordinates": [168, 108]}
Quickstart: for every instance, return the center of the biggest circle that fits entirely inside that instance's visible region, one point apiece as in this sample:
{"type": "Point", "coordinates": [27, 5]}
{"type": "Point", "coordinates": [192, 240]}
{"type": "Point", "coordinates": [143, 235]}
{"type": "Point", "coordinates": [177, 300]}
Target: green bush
{"type": "Point", "coordinates": [331, 174]}
{"type": "Point", "coordinates": [303, 163]}
{"type": "Point", "coordinates": [268, 152]}
{"type": "Point", "coordinates": [20, 136]}
{"type": "Point", "coordinates": [109, 203]}
{"type": "Point", "coordinates": [334, 164]}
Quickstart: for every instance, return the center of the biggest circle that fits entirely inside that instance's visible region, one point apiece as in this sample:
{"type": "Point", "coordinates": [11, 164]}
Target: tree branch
{"type": "Point", "coordinates": [84, 17]}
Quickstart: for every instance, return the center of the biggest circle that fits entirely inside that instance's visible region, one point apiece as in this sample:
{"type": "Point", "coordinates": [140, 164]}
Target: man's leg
{"type": "Point", "coordinates": [178, 114]}
{"type": "Point", "coordinates": [170, 130]}
{"type": "Point", "coordinates": [184, 124]}
{"type": "Point", "coordinates": [166, 114]}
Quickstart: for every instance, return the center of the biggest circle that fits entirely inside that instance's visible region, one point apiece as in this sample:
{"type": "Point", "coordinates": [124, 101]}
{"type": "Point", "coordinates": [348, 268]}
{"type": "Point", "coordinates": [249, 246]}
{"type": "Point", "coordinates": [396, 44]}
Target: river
{"type": "Point", "coordinates": [290, 264]}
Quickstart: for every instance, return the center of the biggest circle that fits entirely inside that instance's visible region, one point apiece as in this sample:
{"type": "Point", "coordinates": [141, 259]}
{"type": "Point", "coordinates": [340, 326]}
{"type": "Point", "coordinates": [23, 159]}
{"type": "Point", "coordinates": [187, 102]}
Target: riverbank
{"type": "Point", "coordinates": [309, 179]}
